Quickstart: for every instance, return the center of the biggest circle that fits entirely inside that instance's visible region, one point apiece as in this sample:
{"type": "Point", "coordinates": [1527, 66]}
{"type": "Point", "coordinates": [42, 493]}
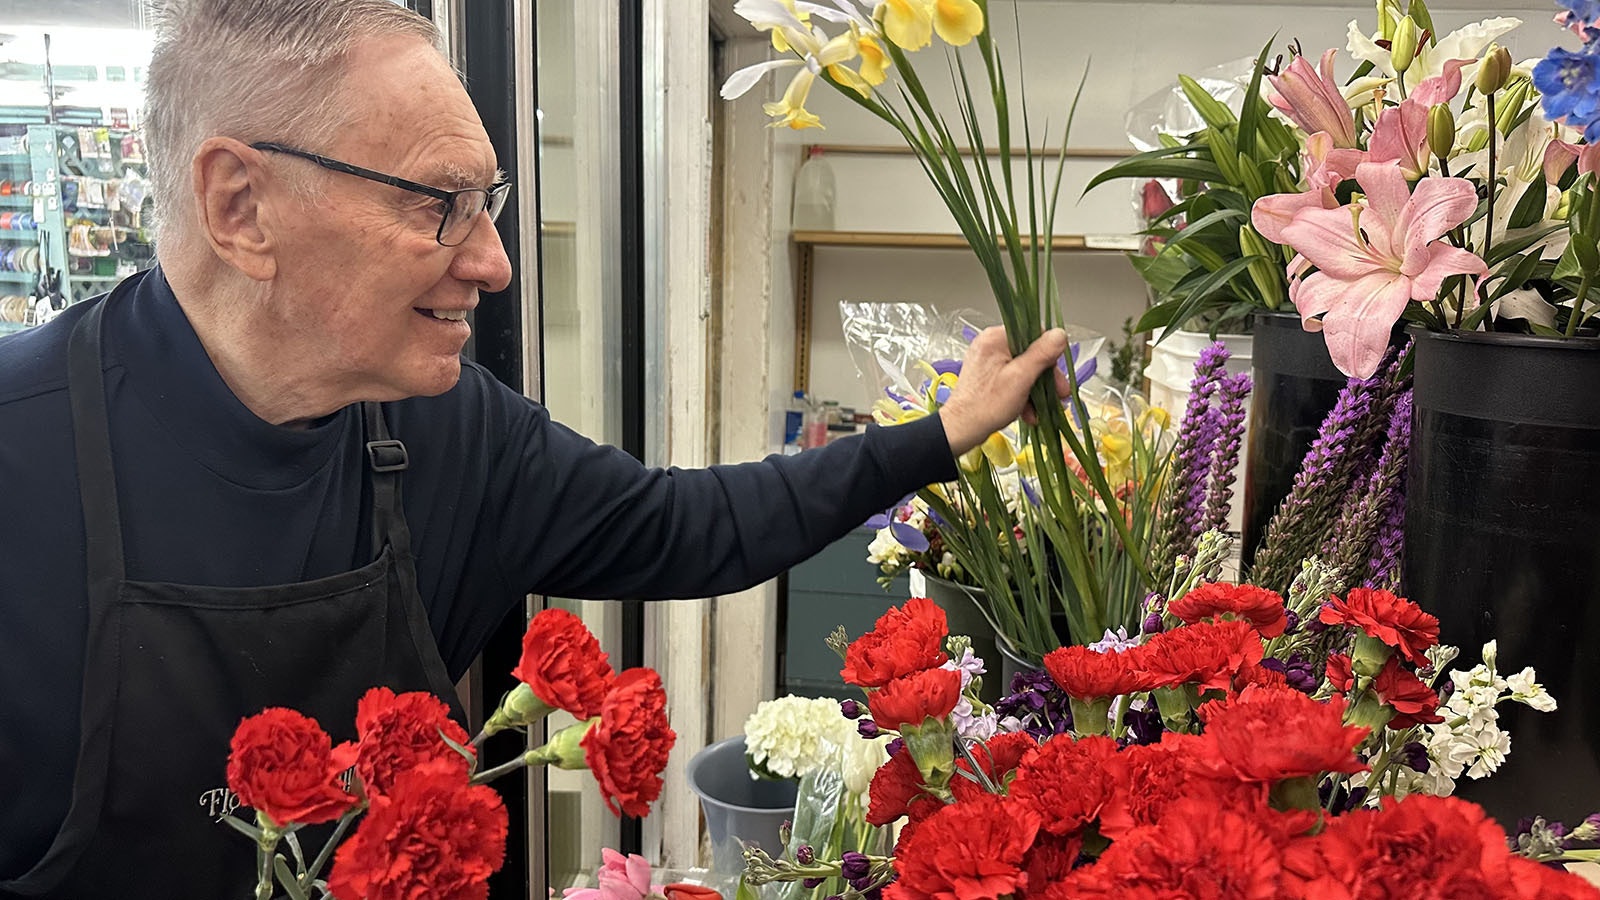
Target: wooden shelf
{"type": "Point", "coordinates": [1017, 153]}
{"type": "Point", "coordinates": [930, 241]}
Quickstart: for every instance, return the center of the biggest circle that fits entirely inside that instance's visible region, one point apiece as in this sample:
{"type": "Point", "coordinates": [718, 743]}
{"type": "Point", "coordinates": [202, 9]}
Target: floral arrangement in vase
{"type": "Point", "coordinates": [1202, 760]}
{"type": "Point", "coordinates": [1440, 187]}
{"type": "Point", "coordinates": [425, 822]}
{"type": "Point", "coordinates": [1051, 564]}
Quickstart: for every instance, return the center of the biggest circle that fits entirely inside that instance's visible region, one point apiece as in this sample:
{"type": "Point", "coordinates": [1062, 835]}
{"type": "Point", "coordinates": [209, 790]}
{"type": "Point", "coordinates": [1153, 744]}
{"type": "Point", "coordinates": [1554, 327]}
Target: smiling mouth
{"type": "Point", "coordinates": [444, 315]}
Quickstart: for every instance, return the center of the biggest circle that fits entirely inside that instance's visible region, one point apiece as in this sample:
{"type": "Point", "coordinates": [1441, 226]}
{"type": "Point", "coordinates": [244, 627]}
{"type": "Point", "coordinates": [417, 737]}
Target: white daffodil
{"type": "Point", "coordinates": [1466, 43]}
{"type": "Point", "coordinates": [817, 53]}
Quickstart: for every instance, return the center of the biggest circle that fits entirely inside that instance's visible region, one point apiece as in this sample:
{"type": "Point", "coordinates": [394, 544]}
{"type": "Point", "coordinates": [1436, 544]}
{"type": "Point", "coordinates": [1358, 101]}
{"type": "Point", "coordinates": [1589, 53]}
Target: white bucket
{"type": "Point", "coordinates": [1171, 371]}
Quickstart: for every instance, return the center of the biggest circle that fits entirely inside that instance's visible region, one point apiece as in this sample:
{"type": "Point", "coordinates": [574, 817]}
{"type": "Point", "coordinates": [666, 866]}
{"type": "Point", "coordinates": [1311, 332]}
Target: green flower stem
{"type": "Point", "coordinates": [531, 758]}
{"type": "Point", "coordinates": [1488, 219]}
{"type": "Point", "coordinates": [1577, 304]}
{"type": "Point", "coordinates": [326, 853]}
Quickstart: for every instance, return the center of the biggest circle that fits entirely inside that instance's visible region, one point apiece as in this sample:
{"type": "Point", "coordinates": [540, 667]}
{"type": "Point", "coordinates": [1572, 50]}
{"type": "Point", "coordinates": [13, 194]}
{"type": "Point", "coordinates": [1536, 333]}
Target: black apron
{"type": "Point", "coordinates": [171, 669]}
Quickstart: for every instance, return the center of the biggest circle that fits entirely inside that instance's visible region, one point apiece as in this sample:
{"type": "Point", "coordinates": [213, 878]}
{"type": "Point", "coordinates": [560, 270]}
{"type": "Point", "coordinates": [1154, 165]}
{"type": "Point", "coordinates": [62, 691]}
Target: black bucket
{"type": "Point", "coordinates": [1295, 386]}
{"type": "Point", "coordinates": [1503, 543]}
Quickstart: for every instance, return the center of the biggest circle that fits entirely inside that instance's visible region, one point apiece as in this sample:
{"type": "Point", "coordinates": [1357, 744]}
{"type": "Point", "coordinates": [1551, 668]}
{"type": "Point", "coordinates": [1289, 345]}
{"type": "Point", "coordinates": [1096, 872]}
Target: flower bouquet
{"type": "Point", "coordinates": [1004, 206]}
{"type": "Point", "coordinates": [1244, 746]}
{"type": "Point", "coordinates": [1440, 186]}
{"type": "Point", "coordinates": [425, 822]}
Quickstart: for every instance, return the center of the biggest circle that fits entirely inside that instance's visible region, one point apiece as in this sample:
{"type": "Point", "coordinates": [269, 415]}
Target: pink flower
{"type": "Point", "coordinates": [1401, 132]}
{"type": "Point", "coordinates": [621, 878]}
{"type": "Point", "coordinates": [1377, 255]}
{"type": "Point", "coordinates": [1311, 99]}
{"type": "Point", "coordinates": [1558, 157]}
{"type": "Point", "coordinates": [1326, 167]}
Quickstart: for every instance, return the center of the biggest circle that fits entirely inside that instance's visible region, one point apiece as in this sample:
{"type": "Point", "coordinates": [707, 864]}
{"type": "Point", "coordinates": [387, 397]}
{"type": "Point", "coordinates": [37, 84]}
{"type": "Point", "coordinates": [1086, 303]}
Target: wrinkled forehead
{"type": "Point", "coordinates": [410, 111]}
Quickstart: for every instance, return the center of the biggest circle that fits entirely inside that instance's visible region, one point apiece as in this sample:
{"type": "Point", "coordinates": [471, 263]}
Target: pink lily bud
{"type": "Point", "coordinates": [1558, 157]}
{"type": "Point", "coordinates": [1311, 99]}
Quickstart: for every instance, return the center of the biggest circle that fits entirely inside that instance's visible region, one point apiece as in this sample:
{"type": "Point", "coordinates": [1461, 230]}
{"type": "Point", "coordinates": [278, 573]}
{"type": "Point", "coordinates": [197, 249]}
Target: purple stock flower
{"type": "Point", "coordinates": [1144, 726]}
{"type": "Point", "coordinates": [854, 866]}
{"type": "Point", "coordinates": [1153, 624]}
{"type": "Point", "coordinates": [850, 708]}
{"type": "Point", "coordinates": [804, 855]}
{"type": "Point", "coordinates": [1037, 705]}
{"type": "Point", "coordinates": [809, 883]}
{"type": "Point", "coordinates": [1415, 757]}
{"type": "Point", "coordinates": [894, 746]}
{"type": "Point", "coordinates": [867, 729]}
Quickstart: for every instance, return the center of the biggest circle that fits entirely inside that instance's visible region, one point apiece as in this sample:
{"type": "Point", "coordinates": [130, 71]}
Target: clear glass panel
{"type": "Point", "coordinates": [578, 191]}
{"type": "Point", "coordinates": [74, 197]}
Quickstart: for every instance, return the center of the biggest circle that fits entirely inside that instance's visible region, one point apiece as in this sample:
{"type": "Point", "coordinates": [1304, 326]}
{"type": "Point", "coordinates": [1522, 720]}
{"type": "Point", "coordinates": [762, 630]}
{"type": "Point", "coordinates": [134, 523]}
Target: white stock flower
{"type": "Point", "coordinates": [1525, 689]}
{"type": "Point", "coordinates": [792, 736]}
{"type": "Point", "coordinates": [1491, 746]}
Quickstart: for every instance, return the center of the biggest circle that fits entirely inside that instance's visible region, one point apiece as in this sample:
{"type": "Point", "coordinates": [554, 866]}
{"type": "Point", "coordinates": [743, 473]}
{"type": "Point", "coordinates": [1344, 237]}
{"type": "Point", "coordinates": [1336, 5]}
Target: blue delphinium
{"type": "Point", "coordinates": [1568, 80]}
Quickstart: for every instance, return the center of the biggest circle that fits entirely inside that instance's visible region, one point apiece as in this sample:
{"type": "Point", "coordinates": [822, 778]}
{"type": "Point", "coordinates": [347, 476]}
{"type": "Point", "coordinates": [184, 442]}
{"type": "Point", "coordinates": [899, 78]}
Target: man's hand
{"type": "Point", "coordinates": [992, 390]}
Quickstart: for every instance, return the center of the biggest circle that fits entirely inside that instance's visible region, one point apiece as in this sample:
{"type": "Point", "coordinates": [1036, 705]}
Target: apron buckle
{"type": "Point", "coordinates": [387, 456]}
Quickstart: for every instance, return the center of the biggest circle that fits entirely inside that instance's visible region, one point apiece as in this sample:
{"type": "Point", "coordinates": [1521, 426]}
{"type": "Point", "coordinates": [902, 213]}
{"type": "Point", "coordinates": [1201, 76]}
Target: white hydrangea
{"type": "Point", "coordinates": [792, 736]}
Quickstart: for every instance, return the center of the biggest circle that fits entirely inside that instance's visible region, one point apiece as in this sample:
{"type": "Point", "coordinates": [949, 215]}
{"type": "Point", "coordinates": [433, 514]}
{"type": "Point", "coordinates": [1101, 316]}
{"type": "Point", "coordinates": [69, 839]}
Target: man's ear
{"type": "Point", "coordinates": [229, 181]}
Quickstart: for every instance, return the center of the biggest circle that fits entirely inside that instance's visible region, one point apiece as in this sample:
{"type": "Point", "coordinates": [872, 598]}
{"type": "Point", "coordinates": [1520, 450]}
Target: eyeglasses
{"type": "Point", "coordinates": [461, 208]}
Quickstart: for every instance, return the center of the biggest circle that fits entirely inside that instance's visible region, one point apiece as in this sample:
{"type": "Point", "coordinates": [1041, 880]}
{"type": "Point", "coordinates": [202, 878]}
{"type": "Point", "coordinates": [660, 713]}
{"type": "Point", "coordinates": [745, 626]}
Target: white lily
{"type": "Point", "coordinates": [1466, 43]}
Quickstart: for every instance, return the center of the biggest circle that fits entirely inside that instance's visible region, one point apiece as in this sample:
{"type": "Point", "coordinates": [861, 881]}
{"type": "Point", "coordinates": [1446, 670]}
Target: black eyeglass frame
{"type": "Point", "coordinates": [494, 196]}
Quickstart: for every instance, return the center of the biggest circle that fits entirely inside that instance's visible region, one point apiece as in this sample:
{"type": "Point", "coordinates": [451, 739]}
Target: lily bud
{"type": "Point", "coordinates": [1388, 10]}
{"type": "Point", "coordinates": [1509, 108]}
{"type": "Point", "coordinates": [1494, 69]}
{"type": "Point", "coordinates": [1441, 131]}
{"type": "Point", "coordinates": [1403, 47]}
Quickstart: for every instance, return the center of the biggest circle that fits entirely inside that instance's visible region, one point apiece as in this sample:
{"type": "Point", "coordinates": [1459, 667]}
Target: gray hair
{"type": "Point", "coordinates": [252, 70]}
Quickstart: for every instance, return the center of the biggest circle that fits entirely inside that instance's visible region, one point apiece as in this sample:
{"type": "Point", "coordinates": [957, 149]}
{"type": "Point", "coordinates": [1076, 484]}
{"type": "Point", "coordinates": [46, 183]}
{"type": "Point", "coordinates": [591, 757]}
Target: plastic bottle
{"type": "Point", "coordinates": [813, 194]}
{"type": "Point", "coordinates": [794, 418]}
{"type": "Point", "coordinates": [815, 432]}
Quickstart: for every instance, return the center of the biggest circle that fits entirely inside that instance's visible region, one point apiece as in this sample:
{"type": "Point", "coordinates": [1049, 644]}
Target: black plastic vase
{"type": "Point", "coordinates": [1503, 543]}
{"type": "Point", "coordinates": [1295, 386]}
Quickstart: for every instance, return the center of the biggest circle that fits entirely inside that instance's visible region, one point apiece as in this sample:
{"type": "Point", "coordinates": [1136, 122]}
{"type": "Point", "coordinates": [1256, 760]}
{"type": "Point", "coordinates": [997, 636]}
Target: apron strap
{"type": "Point", "coordinates": [97, 482]}
{"type": "Point", "coordinates": [387, 459]}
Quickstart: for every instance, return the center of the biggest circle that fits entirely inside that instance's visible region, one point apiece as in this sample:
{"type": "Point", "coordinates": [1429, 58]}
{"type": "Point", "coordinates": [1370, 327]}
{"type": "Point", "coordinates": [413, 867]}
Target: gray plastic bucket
{"type": "Point", "coordinates": [738, 807]}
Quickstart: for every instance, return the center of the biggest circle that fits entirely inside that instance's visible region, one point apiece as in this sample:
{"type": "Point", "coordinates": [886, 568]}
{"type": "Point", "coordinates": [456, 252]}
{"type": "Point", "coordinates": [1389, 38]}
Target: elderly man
{"type": "Point", "coordinates": [201, 473]}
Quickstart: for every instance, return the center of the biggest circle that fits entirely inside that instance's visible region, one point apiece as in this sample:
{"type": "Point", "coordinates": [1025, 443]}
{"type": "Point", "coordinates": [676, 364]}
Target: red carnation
{"type": "Point", "coordinates": [998, 758]}
{"type": "Point", "coordinates": [1260, 676]}
{"type": "Point", "coordinates": [1087, 674]}
{"type": "Point", "coordinates": [1413, 701]}
{"type": "Point", "coordinates": [965, 851]}
{"type": "Point", "coordinates": [1200, 851]}
{"type": "Point", "coordinates": [563, 664]}
{"type": "Point", "coordinates": [1147, 780]}
{"type": "Point", "coordinates": [905, 640]}
{"type": "Point", "coordinates": [895, 784]}
{"type": "Point", "coordinates": [627, 749]}
{"type": "Point", "coordinates": [1258, 606]}
{"type": "Point", "coordinates": [284, 766]}
{"type": "Point", "coordinates": [1210, 655]}
{"type": "Point", "coordinates": [431, 836]}
{"type": "Point", "coordinates": [1394, 620]}
{"type": "Point", "coordinates": [1340, 673]}
{"type": "Point", "coordinates": [1066, 782]}
{"type": "Point", "coordinates": [1424, 846]}
{"type": "Point", "coordinates": [910, 699]}
{"type": "Point", "coordinates": [1533, 881]}
{"type": "Point", "coordinates": [1052, 858]}
{"type": "Point", "coordinates": [1274, 734]}
{"type": "Point", "coordinates": [395, 733]}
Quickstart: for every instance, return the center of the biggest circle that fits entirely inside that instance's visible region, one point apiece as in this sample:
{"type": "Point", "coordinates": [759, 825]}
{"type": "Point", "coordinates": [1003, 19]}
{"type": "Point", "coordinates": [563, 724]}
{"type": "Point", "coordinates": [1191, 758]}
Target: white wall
{"type": "Point", "coordinates": [1133, 50]}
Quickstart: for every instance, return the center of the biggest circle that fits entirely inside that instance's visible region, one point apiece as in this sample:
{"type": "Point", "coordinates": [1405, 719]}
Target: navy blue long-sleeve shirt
{"type": "Point", "coordinates": [501, 500]}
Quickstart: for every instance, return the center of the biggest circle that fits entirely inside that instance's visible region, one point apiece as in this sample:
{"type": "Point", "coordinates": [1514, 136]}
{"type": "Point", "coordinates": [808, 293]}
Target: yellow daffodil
{"type": "Point", "coordinates": [906, 23]}
{"type": "Point", "coordinates": [1154, 419]}
{"type": "Point", "coordinates": [874, 61]}
{"type": "Point", "coordinates": [996, 449]}
{"type": "Point", "coordinates": [957, 21]}
{"type": "Point", "coordinates": [888, 412]}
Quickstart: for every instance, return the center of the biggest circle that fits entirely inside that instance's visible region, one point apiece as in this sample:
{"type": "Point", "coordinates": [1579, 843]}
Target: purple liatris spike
{"type": "Point", "coordinates": [1385, 566]}
{"type": "Point", "coordinates": [1231, 394]}
{"type": "Point", "coordinates": [1183, 516]}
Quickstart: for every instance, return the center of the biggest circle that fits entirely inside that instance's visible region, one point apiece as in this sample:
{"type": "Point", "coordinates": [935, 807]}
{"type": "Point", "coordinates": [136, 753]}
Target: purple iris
{"type": "Point", "coordinates": [1583, 10]}
{"type": "Point", "coordinates": [909, 538]}
{"type": "Point", "coordinates": [1085, 371]}
{"type": "Point", "coordinates": [1570, 84]}
{"type": "Point", "coordinates": [1030, 493]}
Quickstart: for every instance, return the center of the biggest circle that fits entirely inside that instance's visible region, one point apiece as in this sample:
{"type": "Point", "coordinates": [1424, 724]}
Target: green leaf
{"type": "Point", "coordinates": [1506, 249]}
{"type": "Point", "coordinates": [1516, 274]}
{"type": "Point", "coordinates": [1424, 19]}
{"type": "Point", "coordinates": [1252, 111]}
{"type": "Point", "coordinates": [1159, 316]}
{"type": "Point", "coordinates": [1588, 251]}
{"type": "Point", "coordinates": [1530, 206]}
{"type": "Point", "coordinates": [745, 891]}
{"type": "Point", "coordinates": [1140, 165]}
{"type": "Point", "coordinates": [291, 885]}
{"type": "Point", "coordinates": [1568, 266]}
{"type": "Point", "coordinates": [1199, 228]}
{"type": "Point", "coordinates": [472, 758]}
{"type": "Point", "coordinates": [243, 827]}
{"type": "Point", "coordinates": [1212, 111]}
{"type": "Point", "coordinates": [1544, 330]}
{"type": "Point", "coordinates": [1205, 288]}
{"type": "Point", "coordinates": [1224, 156]}
{"type": "Point", "coordinates": [1162, 272]}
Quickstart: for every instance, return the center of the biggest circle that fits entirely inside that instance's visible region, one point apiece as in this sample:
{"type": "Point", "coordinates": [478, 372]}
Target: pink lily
{"type": "Point", "coordinates": [1376, 256]}
{"type": "Point", "coordinates": [1401, 133]}
{"type": "Point", "coordinates": [1326, 168]}
{"type": "Point", "coordinates": [621, 878]}
{"type": "Point", "coordinates": [1312, 100]}
{"type": "Point", "coordinates": [1559, 155]}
